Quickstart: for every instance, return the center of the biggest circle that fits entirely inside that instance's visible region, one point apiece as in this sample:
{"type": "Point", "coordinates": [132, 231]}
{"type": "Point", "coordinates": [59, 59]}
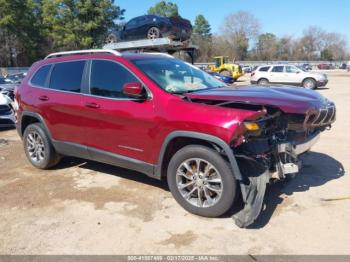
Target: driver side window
{"type": "Point", "coordinates": [291, 69]}
{"type": "Point", "coordinates": [108, 78]}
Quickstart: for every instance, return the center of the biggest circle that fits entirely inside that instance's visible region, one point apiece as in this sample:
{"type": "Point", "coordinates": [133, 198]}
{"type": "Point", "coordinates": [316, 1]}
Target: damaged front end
{"type": "Point", "coordinates": [267, 147]}
{"type": "Point", "coordinates": [270, 149]}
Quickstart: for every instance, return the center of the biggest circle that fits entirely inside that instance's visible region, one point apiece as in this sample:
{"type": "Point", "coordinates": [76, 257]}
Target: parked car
{"type": "Point", "coordinates": [226, 79]}
{"type": "Point", "coordinates": [247, 69]}
{"type": "Point", "coordinates": [7, 113]}
{"type": "Point", "coordinates": [343, 66]}
{"type": "Point", "coordinates": [324, 66]}
{"type": "Point", "coordinates": [287, 74]}
{"type": "Point", "coordinates": [306, 67]}
{"type": "Point", "coordinates": [15, 78]}
{"type": "Point", "coordinates": [170, 120]}
{"type": "Point", "coordinates": [152, 27]}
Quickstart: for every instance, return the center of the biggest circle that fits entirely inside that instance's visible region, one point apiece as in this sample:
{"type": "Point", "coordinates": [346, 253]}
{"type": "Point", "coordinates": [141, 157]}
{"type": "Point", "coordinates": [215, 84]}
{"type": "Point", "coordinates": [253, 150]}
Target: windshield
{"type": "Point", "coordinates": [302, 68]}
{"type": "Point", "coordinates": [176, 76]}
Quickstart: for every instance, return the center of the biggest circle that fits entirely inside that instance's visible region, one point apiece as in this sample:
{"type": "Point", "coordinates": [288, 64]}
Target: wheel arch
{"type": "Point", "coordinates": [178, 139]}
{"type": "Point", "coordinates": [309, 77]}
{"type": "Point", "coordinates": [262, 78]}
{"type": "Point", "coordinates": [28, 118]}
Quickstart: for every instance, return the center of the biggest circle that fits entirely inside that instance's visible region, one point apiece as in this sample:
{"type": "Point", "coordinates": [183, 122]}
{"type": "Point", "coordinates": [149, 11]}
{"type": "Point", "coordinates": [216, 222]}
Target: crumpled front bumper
{"type": "Point", "coordinates": [253, 192]}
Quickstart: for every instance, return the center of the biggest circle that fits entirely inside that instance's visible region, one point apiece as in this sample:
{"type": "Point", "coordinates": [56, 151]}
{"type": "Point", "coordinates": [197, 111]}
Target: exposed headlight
{"type": "Point", "coordinates": [251, 126]}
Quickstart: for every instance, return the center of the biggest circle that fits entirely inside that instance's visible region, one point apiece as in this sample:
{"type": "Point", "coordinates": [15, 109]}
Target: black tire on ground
{"type": "Point", "coordinates": [309, 83]}
{"type": "Point", "coordinates": [225, 72]}
{"type": "Point", "coordinates": [263, 82]}
{"type": "Point", "coordinates": [50, 157]}
{"type": "Point", "coordinates": [225, 202]}
{"type": "Point", "coordinates": [153, 33]}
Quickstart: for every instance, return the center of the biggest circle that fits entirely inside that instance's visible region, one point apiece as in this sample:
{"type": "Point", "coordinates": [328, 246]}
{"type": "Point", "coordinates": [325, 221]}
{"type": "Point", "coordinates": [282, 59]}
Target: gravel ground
{"type": "Point", "coordinates": [89, 208]}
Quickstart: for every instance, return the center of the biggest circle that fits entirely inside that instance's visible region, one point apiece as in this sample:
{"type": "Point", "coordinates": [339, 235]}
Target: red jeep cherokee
{"type": "Point", "coordinates": [163, 117]}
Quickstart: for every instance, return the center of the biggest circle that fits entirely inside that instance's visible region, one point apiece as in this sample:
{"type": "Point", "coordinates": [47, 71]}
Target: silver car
{"type": "Point", "coordinates": [7, 114]}
{"type": "Point", "coordinates": [289, 75]}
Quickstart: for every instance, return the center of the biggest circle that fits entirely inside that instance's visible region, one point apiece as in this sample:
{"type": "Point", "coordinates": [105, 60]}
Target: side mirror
{"type": "Point", "coordinates": [134, 90]}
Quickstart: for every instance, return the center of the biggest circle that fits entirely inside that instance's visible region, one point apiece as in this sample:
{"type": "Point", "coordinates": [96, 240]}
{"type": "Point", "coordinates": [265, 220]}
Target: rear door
{"type": "Point", "coordinates": [61, 103]}
{"type": "Point", "coordinates": [276, 74]}
{"type": "Point", "coordinates": [113, 122]}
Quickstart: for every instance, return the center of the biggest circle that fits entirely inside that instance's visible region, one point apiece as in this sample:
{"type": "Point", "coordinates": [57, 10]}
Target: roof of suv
{"type": "Point", "coordinates": [127, 55]}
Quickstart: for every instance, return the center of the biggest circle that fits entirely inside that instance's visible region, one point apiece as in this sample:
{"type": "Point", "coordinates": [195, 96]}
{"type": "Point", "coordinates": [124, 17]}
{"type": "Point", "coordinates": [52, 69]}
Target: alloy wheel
{"type": "Point", "coordinates": [153, 33]}
{"type": "Point", "coordinates": [35, 146]}
{"type": "Point", "coordinates": [199, 182]}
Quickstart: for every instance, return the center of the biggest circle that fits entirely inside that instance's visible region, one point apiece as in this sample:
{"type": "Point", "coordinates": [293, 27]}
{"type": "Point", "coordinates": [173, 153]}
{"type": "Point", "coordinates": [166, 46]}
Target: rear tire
{"type": "Point", "coordinates": [153, 33]}
{"type": "Point", "coordinates": [38, 147]}
{"type": "Point", "coordinates": [263, 82]}
{"type": "Point", "coordinates": [213, 184]}
{"type": "Point", "coordinates": [309, 83]}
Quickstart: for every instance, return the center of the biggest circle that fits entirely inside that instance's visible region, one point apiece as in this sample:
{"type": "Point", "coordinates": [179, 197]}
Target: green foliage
{"type": "Point", "coordinates": [267, 46]}
{"type": "Point", "coordinates": [78, 24]}
{"type": "Point", "coordinates": [29, 29]}
{"type": "Point", "coordinates": [164, 8]}
{"type": "Point", "coordinates": [20, 34]}
{"type": "Point", "coordinates": [201, 26]}
{"type": "Point", "coordinates": [327, 54]}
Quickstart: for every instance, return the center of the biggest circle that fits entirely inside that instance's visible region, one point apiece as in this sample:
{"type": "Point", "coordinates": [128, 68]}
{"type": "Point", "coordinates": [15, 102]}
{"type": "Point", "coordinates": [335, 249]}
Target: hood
{"type": "Point", "coordinates": [317, 75]}
{"type": "Point", "coordinates": [288, 99]}
{"type": "Point", "coordinates": [4, 100]}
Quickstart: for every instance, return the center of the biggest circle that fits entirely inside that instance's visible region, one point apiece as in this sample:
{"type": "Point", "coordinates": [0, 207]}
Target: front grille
{"type": "Point", "coordinates": [322, 117]}
{"type": "Point", "coordinates": [6, 122]}
{"type": "Point", "coordinates": [5, 110]}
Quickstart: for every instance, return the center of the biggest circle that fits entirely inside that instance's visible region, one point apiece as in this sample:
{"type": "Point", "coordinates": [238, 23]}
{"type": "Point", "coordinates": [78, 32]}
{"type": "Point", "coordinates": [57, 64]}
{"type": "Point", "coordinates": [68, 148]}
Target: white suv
{"type": "Point", "coordinates": [287, 74]}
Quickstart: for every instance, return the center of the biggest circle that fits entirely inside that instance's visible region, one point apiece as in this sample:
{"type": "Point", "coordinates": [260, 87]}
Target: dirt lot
{"type": "Point", "coordinates": [89, 208]}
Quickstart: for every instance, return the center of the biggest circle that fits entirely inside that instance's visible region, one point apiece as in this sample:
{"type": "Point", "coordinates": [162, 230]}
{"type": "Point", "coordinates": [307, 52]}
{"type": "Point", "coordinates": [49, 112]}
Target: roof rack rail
{"type": "Point", "coordinates": [79, 52]}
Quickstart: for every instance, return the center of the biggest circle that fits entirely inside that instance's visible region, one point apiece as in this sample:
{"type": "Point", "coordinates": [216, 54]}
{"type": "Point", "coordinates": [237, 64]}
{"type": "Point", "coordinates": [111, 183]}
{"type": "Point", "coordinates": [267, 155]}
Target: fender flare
{"type": "Point", "coordinates": [209, 138]}
{"type": "Point", "coordinates": [36, 116]}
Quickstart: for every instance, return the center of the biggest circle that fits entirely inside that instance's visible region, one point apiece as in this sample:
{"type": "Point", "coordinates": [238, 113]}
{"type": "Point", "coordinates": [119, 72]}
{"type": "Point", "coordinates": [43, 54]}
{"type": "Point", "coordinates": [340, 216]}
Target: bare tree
{"type": "Point", "coordinates": [239, 29]}
{"type": "Point", "coordinates": [336, 44]}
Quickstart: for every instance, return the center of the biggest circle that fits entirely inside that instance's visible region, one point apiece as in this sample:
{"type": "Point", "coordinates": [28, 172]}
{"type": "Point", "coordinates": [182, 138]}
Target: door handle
{"type": "Point", "coordinates": [43, 98]}
{"type": "Point", "coordinates": [92, 105]}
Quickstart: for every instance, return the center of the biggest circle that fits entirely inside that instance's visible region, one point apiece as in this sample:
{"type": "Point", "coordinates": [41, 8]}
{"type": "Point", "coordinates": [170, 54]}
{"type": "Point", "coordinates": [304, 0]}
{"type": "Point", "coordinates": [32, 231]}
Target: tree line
{"type": "Point", "coordinates": [30, 29]}
{"type": "Point", "coordinates": [240, 38]}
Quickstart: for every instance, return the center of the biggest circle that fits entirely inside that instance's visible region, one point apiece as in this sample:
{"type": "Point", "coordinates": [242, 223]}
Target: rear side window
{"type": "Point", "coordinates": [39, 78]}
{"type": "Point", "coordinates": [67, 76]}
{"type": "Point", "coordinates": [277, 69]}
{"type": "Point", "coordinates": [108, 79]}
{"type": "Point", "coordinates": [264, 69]}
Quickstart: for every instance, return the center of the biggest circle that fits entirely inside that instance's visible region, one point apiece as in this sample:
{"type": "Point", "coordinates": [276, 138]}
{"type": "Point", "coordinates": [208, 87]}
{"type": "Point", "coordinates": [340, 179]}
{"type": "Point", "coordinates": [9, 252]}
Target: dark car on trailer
{"type": "Point", "coordinates": [153, 26]}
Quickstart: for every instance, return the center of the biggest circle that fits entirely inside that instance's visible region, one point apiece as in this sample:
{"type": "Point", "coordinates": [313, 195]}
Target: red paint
{"type": "Point", "coordinates": [118, 125]}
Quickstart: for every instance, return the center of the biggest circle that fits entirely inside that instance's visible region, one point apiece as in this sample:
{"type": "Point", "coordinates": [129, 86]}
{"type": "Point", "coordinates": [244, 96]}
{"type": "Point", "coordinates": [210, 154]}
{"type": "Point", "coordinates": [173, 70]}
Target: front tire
{"type": "Point", "coordinates": [38, 147]}
{"type": "Point", "coordinates": [309, 83]}
{"type": "Point", "coordinates": [201, 181]}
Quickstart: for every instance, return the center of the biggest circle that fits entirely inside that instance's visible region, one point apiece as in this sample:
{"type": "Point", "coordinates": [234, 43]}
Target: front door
{"type": "Point", "coordinates": [293, 75]}
{"type": "Point", "coordinates": [113, 122]}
